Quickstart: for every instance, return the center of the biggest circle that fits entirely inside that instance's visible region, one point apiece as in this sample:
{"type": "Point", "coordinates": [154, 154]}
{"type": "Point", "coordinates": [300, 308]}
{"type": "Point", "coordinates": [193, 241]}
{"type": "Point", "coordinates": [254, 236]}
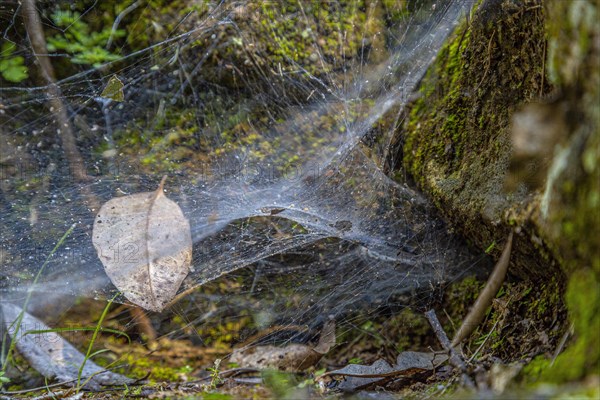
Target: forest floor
{"type": "Point", "coordinates": [196, 362]}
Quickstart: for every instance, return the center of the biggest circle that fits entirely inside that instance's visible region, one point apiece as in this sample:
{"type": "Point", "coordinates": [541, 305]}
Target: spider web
{"type": "Point", "coordinates": [279, 161]}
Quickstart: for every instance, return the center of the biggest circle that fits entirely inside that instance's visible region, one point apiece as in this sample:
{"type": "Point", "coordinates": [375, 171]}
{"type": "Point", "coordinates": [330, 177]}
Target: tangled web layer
{"type": "Point", "coordinates": [275, 154]}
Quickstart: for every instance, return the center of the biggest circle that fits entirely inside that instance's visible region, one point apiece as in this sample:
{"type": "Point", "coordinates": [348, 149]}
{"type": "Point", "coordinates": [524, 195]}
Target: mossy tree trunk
{"type": "Point", "coordinates": [504, 135]}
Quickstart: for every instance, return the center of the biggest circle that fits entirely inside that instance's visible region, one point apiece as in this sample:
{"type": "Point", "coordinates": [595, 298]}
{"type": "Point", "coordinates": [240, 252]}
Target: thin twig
{"type": "Point", "coordinates": [495, 281]}
{"type": "Point", "coordinates": [562, 343]}
{"type": "Point", "coordinates": [118, 21]}
{"type": "Point", "coordinates": [485, 341]}
{"type": "Point", "coordinates": [498, 320]}
{"type": "Point", "coordinates": [228, 373]}
{"type": "Point", "coordinates": [455, 358]}
{"type": "Point", "coordinates": [488, 64]}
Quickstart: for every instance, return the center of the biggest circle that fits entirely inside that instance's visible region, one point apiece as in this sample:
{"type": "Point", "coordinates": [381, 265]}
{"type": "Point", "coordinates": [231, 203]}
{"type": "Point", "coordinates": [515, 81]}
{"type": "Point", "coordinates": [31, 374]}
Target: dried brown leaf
{"type": "Point", "coordinates": [145, 244]}
{"type": "Point", "coordinates": [292, 358]}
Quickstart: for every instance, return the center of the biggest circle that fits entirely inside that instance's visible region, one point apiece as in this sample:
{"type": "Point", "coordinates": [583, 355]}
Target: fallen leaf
{"type": "Point", "coordinates": [114, 89]}
{"type": "Point", "coordinates": [417, 359]}
{"type": "Point", "coordinates": [326, 339]}
{"type": "Point", "coordinates": [145, 244]}
{"type": "Point", "coordinates": [354, 376]}
{"type": "Point", "coordinates": [292, 358]}
{"type": "Point", "coordinates": [52, 356]}
{"type": "Point", "coordinates": [409, 364]}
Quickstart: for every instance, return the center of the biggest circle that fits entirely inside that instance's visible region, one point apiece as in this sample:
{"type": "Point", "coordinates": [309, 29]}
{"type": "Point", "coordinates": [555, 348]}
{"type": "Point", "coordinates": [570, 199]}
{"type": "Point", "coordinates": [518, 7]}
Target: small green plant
{"type": "Point", "coordinates": [89, 353]}
{"type": "Point", "coordinates": [310, 381]}
{"type": "Point", "coordinates": [12, 68]}
{"type": "Point", "coordinates": [215, 379]}
{"type": "Point", "coordinates": [3, 379]}
{"type": "Point", "coordinates": [136, 391]}
{"type": "Point", "coordinates": [77, 39]}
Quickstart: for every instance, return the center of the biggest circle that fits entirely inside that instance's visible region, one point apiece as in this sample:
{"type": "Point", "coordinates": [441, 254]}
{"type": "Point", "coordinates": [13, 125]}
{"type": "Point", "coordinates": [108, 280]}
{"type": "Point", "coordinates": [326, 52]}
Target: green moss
{"type": "Point", "coordinates": [395, 11]}
{"type": "Point", "coordinates": [269, 41]}
{"type": "Point", "coordinates": [159, 20]}
{"type": "Point", "coordinates": [445, 124]}
{"type": "Point", "coordinates": [137, 365]}
{"type": "Point", "coordinates": [583, 302]}
{"type": "Point", "coordinates": [168, 143]}
{"type": "Point", "coordinates": [413, 330]}
{"type": "Point", "coordinates": [311, 35]}
{"type": "Point", "coordinates": [539, 305]}
{"type": "Point", "coordinates": [581, 357]}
